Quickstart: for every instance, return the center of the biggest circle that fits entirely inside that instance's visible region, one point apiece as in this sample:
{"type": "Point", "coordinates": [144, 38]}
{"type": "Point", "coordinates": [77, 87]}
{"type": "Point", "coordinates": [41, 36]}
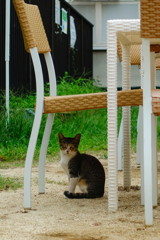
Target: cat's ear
{"type": "Point", "coordinates": [60, 136]}
{"type": "Point", "coordinates": [77, 137]}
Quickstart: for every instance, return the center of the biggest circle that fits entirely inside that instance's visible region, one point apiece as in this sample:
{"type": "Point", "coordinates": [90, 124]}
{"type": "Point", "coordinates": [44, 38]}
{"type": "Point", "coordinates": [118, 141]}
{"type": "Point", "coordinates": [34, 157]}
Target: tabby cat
{"type": "Point", "coordinates": [82, 169]}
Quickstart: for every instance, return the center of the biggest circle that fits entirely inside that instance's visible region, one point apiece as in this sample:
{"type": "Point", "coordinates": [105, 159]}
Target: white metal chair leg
{"type": "Point", "coordinates": [147, 133]}
{"type": "Point", "coordinates": [140, 149]}
{"type": "Point", "coordinates": [29, 160]}
{"type": "Point", "coordinates": [35, 129]}
{"type": "Point", "coordinates": [154, 134]}
{"type": "Point", "coordinates": [154, 161]}
{"type": "Point", "coordinates": [43, 152]}
{"type": "Point", "coordinates": [49, 123]}
{"type": "Point", "coordinates": [154, 143]}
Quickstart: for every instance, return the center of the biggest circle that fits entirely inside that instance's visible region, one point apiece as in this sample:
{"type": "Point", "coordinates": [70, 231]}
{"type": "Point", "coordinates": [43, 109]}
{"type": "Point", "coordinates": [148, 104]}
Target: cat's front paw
{"type": "Point", "coordinates": [66, 194]}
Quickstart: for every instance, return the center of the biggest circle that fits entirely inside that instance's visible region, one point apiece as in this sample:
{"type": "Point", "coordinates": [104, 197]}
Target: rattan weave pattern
{"type": "Point", "coordinates": [135, 54]}
{"type": "Point", "coordinates": [99, 100]}
{"type": "Point", "coordinates": [157, 63]}
{"type": "Point", "coordinates": [156, 102]}
{"type": "Point", "coordinates": [32, 27]}
{"type": "Point", "coordinates": [150, 18]}
{"type": "Point", "coordinates": [90, 101]}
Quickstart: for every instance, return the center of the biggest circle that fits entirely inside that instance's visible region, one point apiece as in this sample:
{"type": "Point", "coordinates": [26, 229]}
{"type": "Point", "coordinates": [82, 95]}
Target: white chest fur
{"type": "Point", "coordinates": [65, 158]}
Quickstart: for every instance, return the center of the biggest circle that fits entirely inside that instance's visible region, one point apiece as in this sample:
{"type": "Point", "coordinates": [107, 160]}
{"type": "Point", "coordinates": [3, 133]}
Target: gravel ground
{"type": "Point", "coordinates": [55, 217]}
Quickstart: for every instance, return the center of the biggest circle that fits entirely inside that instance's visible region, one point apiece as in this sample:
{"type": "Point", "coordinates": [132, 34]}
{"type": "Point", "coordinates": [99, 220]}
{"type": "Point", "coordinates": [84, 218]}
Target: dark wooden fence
{"type": "Point", "coordinates": [75, 61]}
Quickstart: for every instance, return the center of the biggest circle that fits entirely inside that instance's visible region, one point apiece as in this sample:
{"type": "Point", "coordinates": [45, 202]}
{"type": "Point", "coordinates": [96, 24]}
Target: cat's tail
{"type": "Point", "coordinates": [82, 195]}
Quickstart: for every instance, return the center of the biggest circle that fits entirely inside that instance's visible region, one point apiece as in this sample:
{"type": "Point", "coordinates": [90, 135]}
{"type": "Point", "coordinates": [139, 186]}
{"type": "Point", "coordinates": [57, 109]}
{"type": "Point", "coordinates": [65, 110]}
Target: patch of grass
{"type": "Point", "coordinates": [15, 137]}
{"type": "Point", "coordinates": [69, 85]}
{"type": "Point", "coordinates": [134, 118]}
{"type": "Point", "coordinates": [92, 124]}
{"type": "Point", "coordinates": [7, 183]}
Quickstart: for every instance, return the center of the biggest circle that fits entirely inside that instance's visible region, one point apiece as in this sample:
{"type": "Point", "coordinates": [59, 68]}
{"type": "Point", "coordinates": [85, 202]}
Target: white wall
{"type": "Point", "coordinates": [98, 12]}
{"type": "Point", "coordinates": [100, 72]}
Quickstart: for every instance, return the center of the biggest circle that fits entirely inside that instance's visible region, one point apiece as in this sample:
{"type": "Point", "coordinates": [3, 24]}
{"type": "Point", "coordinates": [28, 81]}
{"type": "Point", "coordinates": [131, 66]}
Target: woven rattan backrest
{"type": "Point", "coordinates": [150, 18]}
{"type": "Point", "coordinates": [32, 27]}
{"type": "Point", "coordinates": [135, 53]}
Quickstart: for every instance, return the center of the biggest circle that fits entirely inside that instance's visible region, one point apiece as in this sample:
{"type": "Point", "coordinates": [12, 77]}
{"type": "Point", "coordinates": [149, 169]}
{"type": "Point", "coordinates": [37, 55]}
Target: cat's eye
{"type": "Point", "coordinates": [63, 147]}
{"type": "Point", "coordinates": [67, 146]}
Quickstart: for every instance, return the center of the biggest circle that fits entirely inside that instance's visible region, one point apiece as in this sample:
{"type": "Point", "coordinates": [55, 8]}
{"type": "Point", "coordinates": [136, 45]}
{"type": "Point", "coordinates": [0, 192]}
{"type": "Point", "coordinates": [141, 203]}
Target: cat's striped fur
{"type": "Point", "coordinates": [82, 169]}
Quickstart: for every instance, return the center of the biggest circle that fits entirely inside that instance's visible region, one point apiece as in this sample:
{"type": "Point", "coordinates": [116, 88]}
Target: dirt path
{"type": "Point", "coordinates": [54, 217]}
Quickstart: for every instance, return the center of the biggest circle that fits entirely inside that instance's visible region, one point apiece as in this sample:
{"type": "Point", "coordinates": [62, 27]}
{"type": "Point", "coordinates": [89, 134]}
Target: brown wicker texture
{"type": "Point", "coordinates": [158, 63]}
{"type": "Point", "coordinates": [34, 36]}
{"type": "Point", "coordinates": [150, 18]}
{"type": "Point", "coordinates": [156, 102]}
{"type": "Point", "coordinates": [32, 27]}
{"type": "Point", "coordinates": [135, 53]}
{"type": "Point", "coordinates": [99, 100]}
{"type": "Point", "coordinates": [90, 101]}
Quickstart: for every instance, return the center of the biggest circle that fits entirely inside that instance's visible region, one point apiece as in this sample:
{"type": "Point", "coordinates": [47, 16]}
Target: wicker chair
{"type": "Point", "coordinates": [136, 54]}
{"type": "Point", "coordinates": [124, 30]}
{"type": "Point", "coordinates": [35, 41]}
{"type": "Point", "coordinates": [150, 34]}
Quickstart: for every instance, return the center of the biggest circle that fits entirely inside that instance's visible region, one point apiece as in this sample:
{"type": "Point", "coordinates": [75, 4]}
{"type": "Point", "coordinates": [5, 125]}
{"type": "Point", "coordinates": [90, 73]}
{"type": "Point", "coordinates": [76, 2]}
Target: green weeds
{"type": "Point", "coordinates": [7, 183]}
{"type": "Point", "coordinates": [92, 124]}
